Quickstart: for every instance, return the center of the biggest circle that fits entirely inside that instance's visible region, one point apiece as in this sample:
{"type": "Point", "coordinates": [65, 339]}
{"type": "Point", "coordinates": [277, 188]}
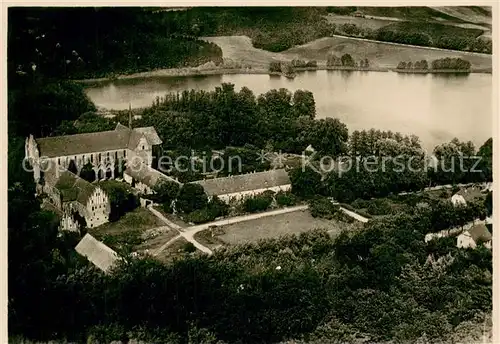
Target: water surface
{"type": "Point", "coordinates": [435, 107]}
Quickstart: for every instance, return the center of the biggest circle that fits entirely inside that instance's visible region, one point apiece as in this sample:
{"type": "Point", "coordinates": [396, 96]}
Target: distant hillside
{"type": "Point", "coordinates": [410, 13]}
{"type": "Point", "coordinates": [97, 42]}
{"type": "Point", "coordinates": [457, 14]}
{"type": "Point", "coordinates": [471, 14]}
{"type": "Point", "coordinates": [380, 54]}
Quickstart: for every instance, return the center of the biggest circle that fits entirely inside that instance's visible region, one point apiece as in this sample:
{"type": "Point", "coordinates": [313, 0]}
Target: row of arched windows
{"type": "Point", "coordinates": [98, 158]}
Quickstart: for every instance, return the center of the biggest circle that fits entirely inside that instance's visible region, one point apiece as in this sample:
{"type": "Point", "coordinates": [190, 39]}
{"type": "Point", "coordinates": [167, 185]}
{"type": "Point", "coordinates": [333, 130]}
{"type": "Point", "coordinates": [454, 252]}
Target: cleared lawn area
{"type": "Point", "coordinates": [139, 219]}
{"type": "Point", "coordinates": [275, 226]}
{"type": "Point", "coordinates": [212, 241]}
{"type": "Point", "coordinates": [153, 243]}
{"type": "Point", "coordinates": [240, 49]}
{"type": "Point", "coordinates": [171, 217]}
{"type": "Point", "coordinates": [379, 53]}
{"type": "Point", "coordinates": [473, 14]}
{"type": "Point", "coordinates": [175, 250]}
{"type": "Point", "coordinates": [130, 230]}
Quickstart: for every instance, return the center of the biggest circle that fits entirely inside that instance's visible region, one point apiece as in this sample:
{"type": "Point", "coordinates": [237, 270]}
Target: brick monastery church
{"type": "Point", "coordinates": [73, 198]}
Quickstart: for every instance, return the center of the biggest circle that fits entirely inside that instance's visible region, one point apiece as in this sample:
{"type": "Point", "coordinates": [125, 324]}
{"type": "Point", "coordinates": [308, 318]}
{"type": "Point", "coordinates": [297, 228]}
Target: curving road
{"type": "Point", "coordinates": [189, 232]}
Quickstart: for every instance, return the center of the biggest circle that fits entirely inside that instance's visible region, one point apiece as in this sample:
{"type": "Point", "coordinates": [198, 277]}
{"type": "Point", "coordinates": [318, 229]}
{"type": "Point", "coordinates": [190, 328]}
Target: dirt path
{"type": "Point", "coordinates": [165, 245]}
{"type": "Point", "coordinates": [163, 218]}
{"type": "Point", "coordinates": [354, 215]}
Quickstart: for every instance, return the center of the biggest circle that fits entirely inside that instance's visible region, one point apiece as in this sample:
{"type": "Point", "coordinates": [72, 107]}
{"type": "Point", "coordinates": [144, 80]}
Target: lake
{"type": "Point", "coordinates": [435, 107]}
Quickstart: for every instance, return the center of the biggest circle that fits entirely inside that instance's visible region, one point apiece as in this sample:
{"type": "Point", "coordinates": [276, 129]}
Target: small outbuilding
{"type": "Point", "coordinates": [476, 235]}
{"type": "Point", "coordinates": [102, 256]}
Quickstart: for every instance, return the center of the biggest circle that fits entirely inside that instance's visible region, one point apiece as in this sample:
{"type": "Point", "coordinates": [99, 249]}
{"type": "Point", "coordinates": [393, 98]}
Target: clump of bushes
{"type": "Point", "coordinates": [312, 63]}
{"type": "Point", "coordinates": [350, 29]}
{"type": "Point", "coordinates": [323, 207]}
{"type": "Point", "coordinates": [275, 67]}
{"type": "Point", "coordinates": [191, 197]}
{"type": "Point", "coordinates": [214, 209]}
{"type": "Point", "coordinates": [285, 199]}
{"type": "Point", "coordinates": [257, 203]}
{"type": "Point", "coordinates": [358, 204]}
{"type": "Point", "coordinates": [200, 216]}
{"type": "Point", "coordinates": [188, 247]}
{"type": "Point", "coordinates": [121, 199]}
{"type": "Point", "coordinates": [419, 65]}
{"type": "Point", "coordinates": [303, 64]}
{"type": "Point", "coordinates": [379, 207]}
{"type": "Point", "coordinates": [451, 63]}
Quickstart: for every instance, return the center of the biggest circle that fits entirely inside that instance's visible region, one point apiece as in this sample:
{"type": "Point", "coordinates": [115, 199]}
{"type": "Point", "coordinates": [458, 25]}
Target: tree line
{"type": "Point", "coordinates": [451, 63]}
{"type": "Point", "coordinates": [346, 60]}
{"type": "Point", "coordinates": [378, 165]}
{"type": "Point", "coordinates": [422, 34]}
{"type": "Point", "coordinates": [438, 64]}
{"type": "Point", "coordinates": [434, 35]}
{"type": "Point", "coordinates": [276, 119]}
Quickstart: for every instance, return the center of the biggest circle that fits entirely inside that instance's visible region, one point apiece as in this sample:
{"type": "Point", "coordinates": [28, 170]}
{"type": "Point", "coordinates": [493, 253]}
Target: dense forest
{"type": "Point", "coordinates": [376, 284]}
{"type": "Point", "coordinates": [91, 42]}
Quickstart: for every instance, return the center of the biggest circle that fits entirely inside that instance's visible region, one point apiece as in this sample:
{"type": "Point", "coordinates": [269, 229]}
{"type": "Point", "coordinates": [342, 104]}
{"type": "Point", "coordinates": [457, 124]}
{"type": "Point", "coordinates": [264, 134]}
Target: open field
{"type": "Point", "coordinates": [370, 23]}
{"type": "Point", "coordinates": [380, 54]}
{"type": "Point", "coordinates": [240, 48]}
{"type": "Point", "coordinates": [153, 243]}
{"type": "Point", "coordinates": [212, 241]}
{"type": "Point", "coordinates": [473, 14]}
{"type": "Point", "coordinates": [139, 219]}
{"type": "Point", "coordinates": [171, 217]}
{"type": "Point", "coordinates": [175, 250]}
{"type": "Point", "coordinates": [275, 226]}
{"type": "Point", "coordinates": [422, 13]}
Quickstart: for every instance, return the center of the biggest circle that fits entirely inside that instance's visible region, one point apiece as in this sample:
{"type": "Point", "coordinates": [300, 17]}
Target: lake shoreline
{"type": "Point", "coordinates": [175, 72]}
{"type": "Point", "coordinates": [189, 72]}
{"type": "Point", "coordinates": [437, 71]}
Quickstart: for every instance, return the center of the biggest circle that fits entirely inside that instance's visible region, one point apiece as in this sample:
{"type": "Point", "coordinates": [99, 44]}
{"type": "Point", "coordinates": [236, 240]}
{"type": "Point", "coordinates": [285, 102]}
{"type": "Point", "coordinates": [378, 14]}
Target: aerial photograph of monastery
{"type": "Point", "coordinates": [217, 175]}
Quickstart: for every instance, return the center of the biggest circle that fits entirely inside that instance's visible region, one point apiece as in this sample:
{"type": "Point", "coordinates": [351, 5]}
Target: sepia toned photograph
{"type": "Point", "coordinates": [242, 174]}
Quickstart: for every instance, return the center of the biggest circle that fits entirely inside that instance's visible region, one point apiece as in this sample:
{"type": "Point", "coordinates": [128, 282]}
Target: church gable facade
{"type": "Point", "coordinates": [78, 201]}
{"type": "Point", "coordinates": [103, 150]}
